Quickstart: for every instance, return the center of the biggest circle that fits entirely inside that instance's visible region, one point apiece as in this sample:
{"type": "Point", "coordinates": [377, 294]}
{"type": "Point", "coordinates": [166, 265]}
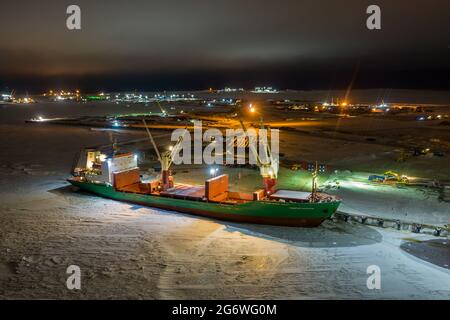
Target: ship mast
{"type": "Point", "coordinates": [314, 184]}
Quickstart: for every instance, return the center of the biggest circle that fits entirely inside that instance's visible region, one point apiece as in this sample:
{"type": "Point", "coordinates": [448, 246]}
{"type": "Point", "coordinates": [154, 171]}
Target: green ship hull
{"type": "Point", "coordinates": [302, 214]}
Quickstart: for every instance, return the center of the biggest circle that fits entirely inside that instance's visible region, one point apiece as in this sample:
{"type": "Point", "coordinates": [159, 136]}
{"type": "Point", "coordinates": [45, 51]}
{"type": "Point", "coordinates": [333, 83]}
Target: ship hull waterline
{"type": "Point", "coordinates": [256, 212]}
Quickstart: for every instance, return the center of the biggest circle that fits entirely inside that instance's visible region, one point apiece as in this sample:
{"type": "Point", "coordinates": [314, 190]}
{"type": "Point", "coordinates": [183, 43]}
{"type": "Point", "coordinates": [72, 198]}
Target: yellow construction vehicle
{"type": "Point", "coordinates": [392, 176]}
{"type": "Point", "coordinates": [389, 177]}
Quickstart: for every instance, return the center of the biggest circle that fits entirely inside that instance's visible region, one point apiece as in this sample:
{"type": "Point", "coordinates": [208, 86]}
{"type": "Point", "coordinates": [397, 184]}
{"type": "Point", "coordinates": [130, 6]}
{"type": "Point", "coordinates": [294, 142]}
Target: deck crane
{"type": "Point", "coordinates": [165, 158]}
{"type": "Point", "coordinates": [268, 165]}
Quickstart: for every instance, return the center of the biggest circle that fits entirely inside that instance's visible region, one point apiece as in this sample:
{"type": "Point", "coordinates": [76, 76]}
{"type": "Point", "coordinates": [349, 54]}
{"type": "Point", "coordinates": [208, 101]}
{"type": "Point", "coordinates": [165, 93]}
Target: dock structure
{"type": "Point", "coordinates": [435, 230]}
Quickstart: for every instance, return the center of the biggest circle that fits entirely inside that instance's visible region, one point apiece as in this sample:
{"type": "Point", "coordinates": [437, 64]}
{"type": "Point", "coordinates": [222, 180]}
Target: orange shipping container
{"type": "Point", "coordinates": [216, 188]}
{"type": "Point", "coordinates": [126, 178]}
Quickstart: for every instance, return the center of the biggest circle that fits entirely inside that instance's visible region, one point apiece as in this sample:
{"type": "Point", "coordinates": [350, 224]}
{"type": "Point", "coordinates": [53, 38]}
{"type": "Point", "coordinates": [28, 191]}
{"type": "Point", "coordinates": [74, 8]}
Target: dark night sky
{"type": "Point", "coordinates": [195, 44]}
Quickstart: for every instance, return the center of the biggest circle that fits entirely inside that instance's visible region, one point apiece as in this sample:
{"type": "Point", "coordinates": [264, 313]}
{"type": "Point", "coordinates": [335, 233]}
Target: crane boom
{"type": "Point", "coordinates": [152, 140]}
{"type": "Point", "coordinates": [175, 149]}
{"type": "Point", "coordinates": [250, 145]}
{"type": "Point", "coordinates": [270, 168]}
{"type": "Point", "coordinates": [165, 158]}
{"type": "Point", "coordinates": [268, 171]}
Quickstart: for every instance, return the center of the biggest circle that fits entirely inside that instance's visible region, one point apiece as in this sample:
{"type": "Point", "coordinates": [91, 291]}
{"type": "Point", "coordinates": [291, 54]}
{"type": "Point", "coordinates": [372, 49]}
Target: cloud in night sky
{"type": "Point", "coordinates": [229, 39]}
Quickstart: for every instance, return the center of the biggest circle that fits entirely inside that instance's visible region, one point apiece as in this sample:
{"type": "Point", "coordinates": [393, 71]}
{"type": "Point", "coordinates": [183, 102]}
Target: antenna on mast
{"type": "Point", "coordinates": [113, 141]}
{"type": "Point", "coordinates": [314, 184]}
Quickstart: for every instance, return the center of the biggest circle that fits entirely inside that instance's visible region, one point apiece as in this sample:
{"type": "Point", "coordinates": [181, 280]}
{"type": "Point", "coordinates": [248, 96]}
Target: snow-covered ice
{"type": "Point", "coordinates": [127, 251]}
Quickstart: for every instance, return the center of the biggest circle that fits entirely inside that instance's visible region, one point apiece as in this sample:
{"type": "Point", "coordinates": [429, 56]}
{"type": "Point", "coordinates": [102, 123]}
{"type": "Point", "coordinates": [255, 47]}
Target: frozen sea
{"type": "Point", "coordinates": [126, 251]}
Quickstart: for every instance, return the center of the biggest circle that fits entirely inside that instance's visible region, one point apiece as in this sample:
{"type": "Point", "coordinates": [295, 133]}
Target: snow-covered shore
{"type": "Point", "coordinates": [127, 251]}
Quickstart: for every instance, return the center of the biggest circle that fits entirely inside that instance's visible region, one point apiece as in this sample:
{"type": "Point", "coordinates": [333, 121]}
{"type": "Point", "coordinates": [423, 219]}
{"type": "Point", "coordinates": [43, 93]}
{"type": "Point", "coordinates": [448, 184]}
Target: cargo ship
{"type": "Point", "coordinates": [118, 177]}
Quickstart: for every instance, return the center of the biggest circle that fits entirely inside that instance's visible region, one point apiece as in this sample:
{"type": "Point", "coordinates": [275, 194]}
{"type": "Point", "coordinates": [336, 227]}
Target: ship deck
{"type": "Point", "coordinates": [301, 196]}
{"type": "Point", "coordinates": [185, 192]}
{"type": "Point", "coordinates": [291, 195]}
